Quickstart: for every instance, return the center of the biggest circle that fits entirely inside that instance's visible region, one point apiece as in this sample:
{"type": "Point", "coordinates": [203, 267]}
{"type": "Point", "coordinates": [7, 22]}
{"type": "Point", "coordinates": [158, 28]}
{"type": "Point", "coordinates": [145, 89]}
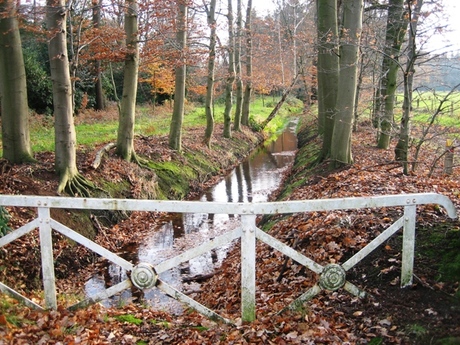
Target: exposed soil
{"type": "Point", "coordinates": [428, 312]}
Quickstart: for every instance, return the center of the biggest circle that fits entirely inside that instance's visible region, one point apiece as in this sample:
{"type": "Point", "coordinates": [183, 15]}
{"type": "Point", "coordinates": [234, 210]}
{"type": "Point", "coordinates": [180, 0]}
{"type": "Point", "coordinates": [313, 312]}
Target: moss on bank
{"type": "Point", "coordinates": [190, 169]}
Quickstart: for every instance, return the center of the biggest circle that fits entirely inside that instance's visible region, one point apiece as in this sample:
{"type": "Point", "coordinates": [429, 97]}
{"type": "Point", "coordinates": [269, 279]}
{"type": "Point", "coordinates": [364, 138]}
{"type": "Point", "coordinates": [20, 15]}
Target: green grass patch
{"type": "Point", "coordinates": [416, 331]}
{"type": "Point", "coordinates": [9, 308]}
{"type": "Point", "coordinates": [425, 104]}
{"type": "Point", "coordinates": [128, 318]}
{"type": "Point", "coordinates": [96, 128]}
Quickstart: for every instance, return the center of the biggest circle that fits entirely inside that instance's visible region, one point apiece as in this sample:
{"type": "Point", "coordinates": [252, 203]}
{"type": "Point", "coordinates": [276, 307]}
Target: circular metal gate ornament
{"type": "Point", "coordinates": [332, 278]}
{"type": "Point", "coordinates": [144, 276]}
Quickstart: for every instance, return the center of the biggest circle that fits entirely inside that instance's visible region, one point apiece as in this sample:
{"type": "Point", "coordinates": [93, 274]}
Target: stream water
{"type": "Point", "coordinates": [252, 181]}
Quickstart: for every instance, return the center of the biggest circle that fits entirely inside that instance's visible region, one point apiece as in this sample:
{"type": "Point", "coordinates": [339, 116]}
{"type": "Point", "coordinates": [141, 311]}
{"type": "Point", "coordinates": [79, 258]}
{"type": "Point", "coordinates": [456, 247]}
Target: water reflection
{"type": "Point", "coordinates": [252, 181]}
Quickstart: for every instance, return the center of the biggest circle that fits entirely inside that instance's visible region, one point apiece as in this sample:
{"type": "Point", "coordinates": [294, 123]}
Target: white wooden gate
{"type": "Point", "coordinates": [145, 276]}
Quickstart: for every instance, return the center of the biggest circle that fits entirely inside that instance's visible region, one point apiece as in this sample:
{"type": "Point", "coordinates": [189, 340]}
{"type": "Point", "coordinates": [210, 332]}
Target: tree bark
{"type": "Point", "coordinates": [395, 32]}
{"type": "Point", "coordinates": [65, 136]}
{"type": "Point", "coordinates": [98, 89]}
{"type": "Point", "coordinates": [327, 71]}
{"type": "Point", "coordinates": [239, 79]}
{"type": "Point", "coordinates": [211, 13]}
{"type": "Point", "coordinates": [230, 74]}
{"type": "Point", "coordinates": [125, 138]}
{"type": "Point", "coordinates": [248, 89]}
{"type": "Point", "coordinates": [175, 131]}
{"type": "Point", "coordinates": [341, 153]}
{"type": "Point", "coordinates": [13, 88]}
{"type": "Point", "coordinates": [402, 147]}
{"type": "Point", "coordinates": [279, 104]}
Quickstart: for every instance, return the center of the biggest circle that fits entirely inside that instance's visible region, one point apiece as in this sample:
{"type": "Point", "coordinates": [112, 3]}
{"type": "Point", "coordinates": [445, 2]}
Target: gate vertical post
{"type": "Point", "coordinates": [248, 268]}
{"type": "Point", "coordinates": [407, 266]}
{"type": "Point", "coordinates": [46, 249]}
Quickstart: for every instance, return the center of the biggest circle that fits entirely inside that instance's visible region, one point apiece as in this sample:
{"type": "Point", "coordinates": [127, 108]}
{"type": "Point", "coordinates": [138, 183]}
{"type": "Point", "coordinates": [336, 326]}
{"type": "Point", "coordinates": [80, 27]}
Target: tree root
{"type": "Point", "coordinates": [142, 162]}
{"type": "Point", "coordinates": [77, 185]}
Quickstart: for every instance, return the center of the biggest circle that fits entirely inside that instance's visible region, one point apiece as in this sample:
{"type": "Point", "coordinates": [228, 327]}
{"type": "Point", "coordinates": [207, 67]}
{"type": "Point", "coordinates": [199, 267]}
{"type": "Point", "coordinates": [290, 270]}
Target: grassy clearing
{"type": "Point", "coordinates": [426, 104]}
{"type": "Point", "coordinates": [94, 128]}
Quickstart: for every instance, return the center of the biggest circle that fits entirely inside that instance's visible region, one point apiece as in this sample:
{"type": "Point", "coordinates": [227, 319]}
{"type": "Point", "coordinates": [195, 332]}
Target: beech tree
{"type": "Point", "coordinates": [327, 70]}
{"type": "Point", "coordinates": [248, 88]}
{"type": "Point", "coordinates": [70, 179]}
{"type": "Point", "coordinates": [239, 79]}
{"type": "Point", "coordinates": [230, 80]}
{"type": "Point", "coordinates": [395, 33]}
{"type": "Point", "coordinates": [211, 15]}
{"type": "Point", "coordinates": [127, 114]}
{"type": "Point", "coordinates": [402, 147]}
{"type": "Point", "coordinates": [341, 153]}
{"type": "Point", "coordinates": [100, 103]}
{"type": "Point", "coordinates": [175, 131]}
{"type": "Point", "coordinates": [13, 88]}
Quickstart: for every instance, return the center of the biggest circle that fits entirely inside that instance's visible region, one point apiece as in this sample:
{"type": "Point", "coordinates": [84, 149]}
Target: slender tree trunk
{"type": "Point", "coordinates": [402, 147]}
{"type": "Point", "coordinates": [280, 48]}
{"type": "Point", "coordinates": [210, 80]}
{"type": "Point", "coordinates": [349, 46]}
{"type": "Point", "coordinates": [13, 88]}
{"type": "Point", "coordinates": [248, 89]}
{"type": "Point", "coordinates": [395, 32]}
{"type": "Point", "coordinates": [279, 104]}
{"type": "Point", "coordinates": [125, 138]}
{"type": "Point", "coordinates": [98, 90]}
{"type": "Point", "coordinates": [65, 136]}
{"type": "Point", "coordinates": [377, 103]}
{"type": "Point", "coordinates": [230, 74]}
{"type": "Point", "coordinates": [327, 71]}
{"type": "Point", "coordinates": [175, 131]}
{"type": "Point", "coordinates": [239, 79]}
{"type": "Point", "coordinates": [359, 83]}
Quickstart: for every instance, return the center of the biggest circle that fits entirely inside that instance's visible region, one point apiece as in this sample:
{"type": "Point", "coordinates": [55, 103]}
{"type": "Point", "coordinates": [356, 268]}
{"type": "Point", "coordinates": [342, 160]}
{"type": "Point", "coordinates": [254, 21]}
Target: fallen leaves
{"type": "Point", "coordinates": [330, 318]}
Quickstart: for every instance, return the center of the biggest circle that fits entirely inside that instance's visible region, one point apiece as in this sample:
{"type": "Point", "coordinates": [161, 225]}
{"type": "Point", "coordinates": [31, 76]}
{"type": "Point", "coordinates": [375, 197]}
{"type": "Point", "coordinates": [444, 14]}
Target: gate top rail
{"type": "Point", "coordinates": [291, 206]}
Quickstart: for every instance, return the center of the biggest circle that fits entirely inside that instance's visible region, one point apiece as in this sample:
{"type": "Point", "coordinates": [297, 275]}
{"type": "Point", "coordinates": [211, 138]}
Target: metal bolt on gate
{"type": "Point", "coordinates": [146, 276]}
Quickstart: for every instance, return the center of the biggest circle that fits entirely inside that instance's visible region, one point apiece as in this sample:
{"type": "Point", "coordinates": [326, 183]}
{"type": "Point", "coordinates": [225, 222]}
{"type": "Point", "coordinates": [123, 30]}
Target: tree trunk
{"type": "Point", "coordinates": [349, 46]}
{"type": "Point", "coordinates": [210, 79]}
{"type": "Point", "coordinates": [65, 136]}
{"type": "Point", "coordinates": [248, 89]}
{"type": "Point", "coordinates": [359, 84]}
{"type": "Point", "coordinates": [239, 79]}
{"type": "Point", "coordinates": [395, 32]}
{"type": "Point", "coordinates": [402, 147]}
{"type": "Point", "coordinates": [98, 90]}
{"type": "Point", "coordinates": [175, 131]}
{"type": "Point", "coordinates": [279, 104]}
{"type": "Point", "coordinates": [125, 138]}
{"type": "Point", "coordinates": [230, 75]}
{"type": "Point", "coordinates": [327, 71]}
{"type": "Point", "coordinates": [13, 89]}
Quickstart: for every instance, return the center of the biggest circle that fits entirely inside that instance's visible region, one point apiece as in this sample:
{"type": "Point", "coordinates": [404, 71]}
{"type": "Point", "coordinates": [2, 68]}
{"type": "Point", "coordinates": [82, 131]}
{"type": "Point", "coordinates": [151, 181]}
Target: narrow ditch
{"type": "Point", "coordinates": [252, 181]}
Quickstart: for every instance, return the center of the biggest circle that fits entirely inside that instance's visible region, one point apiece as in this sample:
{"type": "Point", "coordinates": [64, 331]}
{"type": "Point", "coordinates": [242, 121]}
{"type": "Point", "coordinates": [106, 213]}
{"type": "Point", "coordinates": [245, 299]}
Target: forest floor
{"type": "Point", "coordinates": [427, 312]}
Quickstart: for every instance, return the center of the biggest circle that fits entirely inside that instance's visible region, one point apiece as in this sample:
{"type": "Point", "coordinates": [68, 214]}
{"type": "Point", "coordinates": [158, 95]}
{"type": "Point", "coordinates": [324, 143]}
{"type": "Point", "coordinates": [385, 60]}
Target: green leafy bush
{"type": "Point", "coordinates": [39, 87]}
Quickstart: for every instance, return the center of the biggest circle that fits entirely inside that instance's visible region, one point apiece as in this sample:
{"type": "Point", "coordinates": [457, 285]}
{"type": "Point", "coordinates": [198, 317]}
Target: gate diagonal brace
{"type": "Point", "coordinates": [144, 276]}
{"type": "Point", "coordinates": [332, 278]}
